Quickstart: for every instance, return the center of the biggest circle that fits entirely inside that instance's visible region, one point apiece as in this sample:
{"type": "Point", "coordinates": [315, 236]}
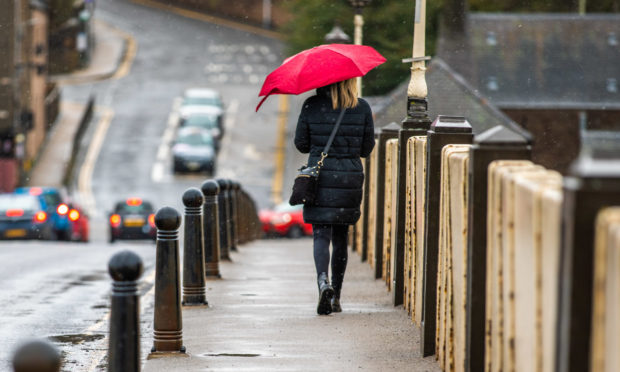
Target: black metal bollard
{"type": "Point", "coordinates": [234, 236]}
{"type": "Point", "coordinates": [416, 123]}
{"type": "Point", "coordinates": [222, 201]}
{"type": "Point", "coordinates": [384, 134]}
{"type": "Point", "coordinates": [210, 228]}
{"type": "Point", "coordinates": [243, 217]}
{"type": "Point", "coordinates": [125, 268]}
{"type": "Point", "coordinates": [167, 327]}
{"type": "Point", "coordinates": [36, 356]}
{"type": "Point", "coordinates": [446, 130]}
{"type": "Point", "coordinates": [193, 250]}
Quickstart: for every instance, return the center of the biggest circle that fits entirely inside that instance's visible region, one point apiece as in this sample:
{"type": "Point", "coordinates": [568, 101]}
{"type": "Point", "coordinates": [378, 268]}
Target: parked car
{"type": "Point", "coordinates": [133, 218]}
{"type": "Point", "coordinates": [80, 224]}
{"type": "Point", "coordinates": [207, 117]}
{"type": "Point", "coordinates": [285, 220]}
{"type": "Point", "coordinates": [194, 150]}
{"type": "Point", "coordinates": [55, 204]}
{"type": "Point", "coordinates": [24, 216]}
{"type": "Point", "coordinates": [204, 97]}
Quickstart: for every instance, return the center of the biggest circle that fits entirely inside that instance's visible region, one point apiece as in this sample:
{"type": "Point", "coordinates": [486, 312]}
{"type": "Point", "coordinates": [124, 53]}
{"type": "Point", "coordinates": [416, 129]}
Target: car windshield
{"type": "Point", "coordinates": [195, 139]}
{"type": "Point", "coordinates": [206, 101]}
{"type": "Point", "coordinates": [12, 201]}
{"type": "Point", "coordinates": [134, 209]}
{"type": "Point", "coordinates": [206, 121]}
{"type": "Point", "coordinates": [286, 207]}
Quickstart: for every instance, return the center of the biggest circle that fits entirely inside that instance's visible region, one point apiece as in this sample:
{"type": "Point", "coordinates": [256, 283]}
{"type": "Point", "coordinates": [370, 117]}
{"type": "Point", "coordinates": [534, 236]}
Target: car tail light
{"type": "Point", "coordinates": [152, 220]}
{"type": "Point", "coordinates": [115, 220]}
{"type": "Point", "coordinates": [36, 191]}
{"type": "Point", "coordinates": [74, 215]}
{"type": "Point", "coordinates": [14, 212]}
{"type": "Point", "coordinates": [40, 217]}
{"type": "Point", "coordinates": [62, 209]}
{"type": "Point", "coordinates": [134, 202]}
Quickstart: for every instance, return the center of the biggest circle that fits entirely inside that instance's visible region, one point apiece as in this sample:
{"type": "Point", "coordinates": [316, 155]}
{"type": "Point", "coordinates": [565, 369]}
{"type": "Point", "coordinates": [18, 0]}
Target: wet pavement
{"type": "Point", "coordinates": [262, 317]}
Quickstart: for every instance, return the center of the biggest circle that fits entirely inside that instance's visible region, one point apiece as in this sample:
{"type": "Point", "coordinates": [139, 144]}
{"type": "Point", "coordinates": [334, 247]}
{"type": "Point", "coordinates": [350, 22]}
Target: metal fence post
{"type": "Point", "coordinates": [384, 134]}
{"type": "Point", "coordinates": [592, 183]}
{"type": "Point", "coordinates": [125, 268]}
{"type": "Point", "coordinates": [222, 201]}
{"type": "Point", "coordinates": [417, 123]}
{"type": "Point", "coordinates": [167, 327]}
{"type": "Point", "coordinates": [445, 130]}
{"type": "Point", "coordinates": [36, 356]}
{"type": "Point", "coordinates": [193, 250]}
{"type": "Point", "coordinates": [210, 228]}
{"type": "Point", "coordinates": [497, 143]}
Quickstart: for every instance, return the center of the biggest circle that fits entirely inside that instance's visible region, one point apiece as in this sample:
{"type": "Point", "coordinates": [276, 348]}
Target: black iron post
{"type": "Point", "coordinates": [497, 143]}
{"type": "Point", "coordinates": [445, 130]}
{"type": "Point", "coordinates": [592, 183]}
{"type": "Point", "coordinates": [229, 216]}
{"type": "Point", "coordinates": [384, 134]}
{"type": "Point", "coordinates": [210, 228]}
{"type": "Point", "coordinates": [167, 327]}
{"type": "Point", "coordinates": [222, 201]}
{"type": "Point", "coordinates": [193, 250]}
{"type": "Point", "coordinates": [234, 195]}
{"type": "Point", "coordinates": [36, 356]}
{"type": "Point", "coordinates": [417, 123]}
{"type": "Point", "coordinates": [125, 268]}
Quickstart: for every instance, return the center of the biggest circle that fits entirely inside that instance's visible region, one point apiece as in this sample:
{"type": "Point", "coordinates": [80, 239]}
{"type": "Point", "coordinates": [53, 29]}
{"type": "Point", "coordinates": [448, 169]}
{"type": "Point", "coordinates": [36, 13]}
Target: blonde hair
{"type": "Point", "coordinates": [344, 94]}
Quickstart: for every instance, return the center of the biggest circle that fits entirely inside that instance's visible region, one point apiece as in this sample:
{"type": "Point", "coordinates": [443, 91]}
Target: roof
{"type": "Point", "coordinates": [541, 61]}
{"type": "Point", "coordinates": [448, 94]}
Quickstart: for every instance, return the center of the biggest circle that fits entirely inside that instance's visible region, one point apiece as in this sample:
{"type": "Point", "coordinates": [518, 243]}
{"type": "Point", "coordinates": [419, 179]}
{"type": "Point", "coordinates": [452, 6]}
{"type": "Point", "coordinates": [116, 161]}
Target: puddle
{"type": "Point", "coordinates": [234, 355]}
{"type": "Point", "coordinates": [91, 278]}
{"type": "Point", "coordinates": [249, 294]}
{"type": "Point", "coordinates": [101, 306]}
{"type": "Point", "coordinates": [75, 339]}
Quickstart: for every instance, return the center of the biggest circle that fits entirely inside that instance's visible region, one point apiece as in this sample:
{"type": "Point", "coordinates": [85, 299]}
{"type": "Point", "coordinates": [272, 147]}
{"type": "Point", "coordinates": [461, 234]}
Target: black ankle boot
{"type": "Point", "coordinates": [336, 305]}
{"type": "Point", "coordinates": [326, 293]}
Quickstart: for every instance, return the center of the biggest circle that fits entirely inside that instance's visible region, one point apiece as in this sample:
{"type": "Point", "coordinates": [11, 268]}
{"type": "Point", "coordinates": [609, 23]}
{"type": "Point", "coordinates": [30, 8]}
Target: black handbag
{"type": "Point", "coordinates": [307, 180]}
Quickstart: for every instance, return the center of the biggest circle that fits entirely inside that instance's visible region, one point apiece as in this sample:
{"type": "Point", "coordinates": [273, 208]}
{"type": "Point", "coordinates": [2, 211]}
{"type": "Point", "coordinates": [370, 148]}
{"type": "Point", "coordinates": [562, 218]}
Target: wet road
{"type": "Point", "coordinates": [59, 290]}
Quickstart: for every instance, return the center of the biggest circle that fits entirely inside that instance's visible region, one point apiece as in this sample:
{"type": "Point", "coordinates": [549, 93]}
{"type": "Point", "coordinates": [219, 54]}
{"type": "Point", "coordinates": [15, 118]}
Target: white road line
{"type": "Point", "coordinates": [158, 171]}
{"type": "Point", "coordinates": [229, 124]}
{"type": "Point", "coordinates": [86, 171]}
{"type": "Point", "coordinates": [99, 352]}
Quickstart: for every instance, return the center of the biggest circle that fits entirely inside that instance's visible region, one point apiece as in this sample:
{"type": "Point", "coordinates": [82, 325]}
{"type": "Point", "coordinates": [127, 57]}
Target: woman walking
{"type": "Point", "coordinates": [339, 194]}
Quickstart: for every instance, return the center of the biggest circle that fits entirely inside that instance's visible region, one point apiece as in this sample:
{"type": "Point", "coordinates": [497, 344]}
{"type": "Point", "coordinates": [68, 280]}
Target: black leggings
{"type": "Point", "coordinates": [338, 235]}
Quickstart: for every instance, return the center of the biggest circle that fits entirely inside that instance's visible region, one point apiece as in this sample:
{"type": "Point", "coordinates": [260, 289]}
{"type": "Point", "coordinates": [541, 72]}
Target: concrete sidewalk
{"type": "Point", "coordinates": [262, 317]}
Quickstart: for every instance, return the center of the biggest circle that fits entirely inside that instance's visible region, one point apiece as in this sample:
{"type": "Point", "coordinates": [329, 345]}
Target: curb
{"type": "Point", "coordinates": [119, 68]}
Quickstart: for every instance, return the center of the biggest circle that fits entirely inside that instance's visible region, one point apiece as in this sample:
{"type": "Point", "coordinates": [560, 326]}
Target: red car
{"type": "Point", "coordinates": [285, 220]}
{"type": "Point", "coordinates": [79, 222]}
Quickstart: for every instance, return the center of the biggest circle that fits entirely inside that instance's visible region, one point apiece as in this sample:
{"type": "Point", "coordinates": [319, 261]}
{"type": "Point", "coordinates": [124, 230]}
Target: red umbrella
{"type": "Point", "coordinates": [320, 66]}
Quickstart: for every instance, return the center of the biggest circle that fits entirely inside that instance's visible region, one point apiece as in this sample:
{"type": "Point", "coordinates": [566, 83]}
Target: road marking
{"type": "Point", "coordinates": [278, 174]}
{"type": "Point", "coordinates": [210, 19]}
{"type": "Point", "coordinates": [229, 124]}
{"type": "Point", "coordinates": [99, 353]}
{"type": "Point", "coordinates": [130, 54]}
{"type": "Point", "coordinates": [86, 171]}
{"type": "Point", "coordinates": [158, 171]}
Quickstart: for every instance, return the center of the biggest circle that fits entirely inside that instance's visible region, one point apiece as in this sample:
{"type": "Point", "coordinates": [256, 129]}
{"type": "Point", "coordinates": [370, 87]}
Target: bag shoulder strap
{"type": "Point", "coordinates": [331, 136]}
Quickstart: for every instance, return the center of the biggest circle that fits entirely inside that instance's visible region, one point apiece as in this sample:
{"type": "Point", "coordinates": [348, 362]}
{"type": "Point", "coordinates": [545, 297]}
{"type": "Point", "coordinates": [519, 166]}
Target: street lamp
{"type": "Point", "coordinates": [358, 22]}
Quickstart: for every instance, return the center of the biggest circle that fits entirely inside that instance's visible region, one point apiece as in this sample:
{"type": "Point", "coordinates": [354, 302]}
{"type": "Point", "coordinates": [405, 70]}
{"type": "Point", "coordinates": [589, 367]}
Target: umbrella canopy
{"type": "Point", "coordinates": [318, 67]}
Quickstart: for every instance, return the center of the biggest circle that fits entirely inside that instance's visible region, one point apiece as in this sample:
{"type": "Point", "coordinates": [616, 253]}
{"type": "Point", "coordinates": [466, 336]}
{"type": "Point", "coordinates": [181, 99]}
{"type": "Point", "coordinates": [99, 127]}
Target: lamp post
{"type": "Point", "coordinates": [358, 22]}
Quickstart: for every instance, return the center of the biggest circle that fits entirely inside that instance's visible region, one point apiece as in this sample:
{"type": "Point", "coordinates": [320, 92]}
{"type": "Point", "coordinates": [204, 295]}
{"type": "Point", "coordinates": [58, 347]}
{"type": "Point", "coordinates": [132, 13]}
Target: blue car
{"type": "Point", "coordinates": [54, 204]}
{"type": "Point", "coordinates": [23, 216]}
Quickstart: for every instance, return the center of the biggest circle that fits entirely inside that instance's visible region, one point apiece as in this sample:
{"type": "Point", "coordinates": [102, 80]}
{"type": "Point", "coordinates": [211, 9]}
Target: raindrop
{"type": "Point", "coordinates": [492, 83]}
{"type": "Point", "coordinates": [612, 85]}
{"type": "Point", "coordinates": [612, 40]}
{"type": "Point", "coordinates": [491, 38]}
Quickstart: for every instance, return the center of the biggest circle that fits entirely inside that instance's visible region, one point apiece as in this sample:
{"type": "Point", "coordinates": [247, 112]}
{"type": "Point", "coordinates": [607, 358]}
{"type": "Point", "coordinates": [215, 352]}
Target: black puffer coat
{"type": "Point", "coordinates": [342, 177]}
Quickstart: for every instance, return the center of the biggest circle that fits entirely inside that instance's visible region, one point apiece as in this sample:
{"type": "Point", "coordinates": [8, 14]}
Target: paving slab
{"type": "Point", "coordinates": [262, 317]}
